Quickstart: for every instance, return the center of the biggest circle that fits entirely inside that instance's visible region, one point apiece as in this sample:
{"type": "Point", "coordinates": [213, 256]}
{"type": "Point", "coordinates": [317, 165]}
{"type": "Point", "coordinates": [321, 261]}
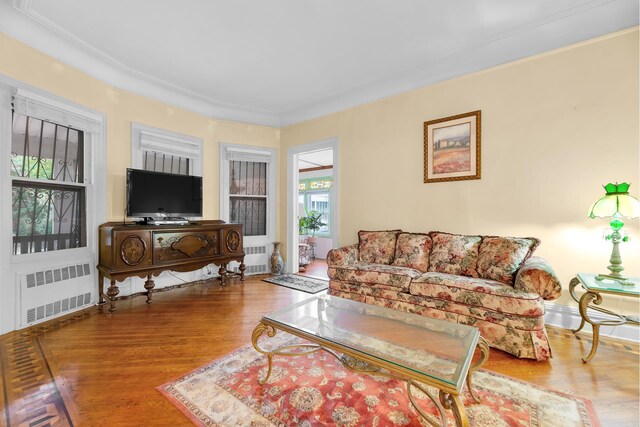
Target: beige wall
{"type": "Point", "coordinates": [554, 129]}
{"type": "Point", "coordinates": [121, 108]}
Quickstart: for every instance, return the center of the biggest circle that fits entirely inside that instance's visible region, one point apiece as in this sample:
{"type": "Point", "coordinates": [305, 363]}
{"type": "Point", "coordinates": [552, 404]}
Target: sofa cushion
{"type": "Point", "coordinates": [488, 294]}
{"type": "Point", "coordinates": [378, 247]}
{"type": "Point", "coordinates": [454, 254]}
{"type": "Point", "coordinates": [499, 258]}
{"type": "Point", "coordinates": [375, 274]}
{"type": "Point", "coordinates": [413, 250]}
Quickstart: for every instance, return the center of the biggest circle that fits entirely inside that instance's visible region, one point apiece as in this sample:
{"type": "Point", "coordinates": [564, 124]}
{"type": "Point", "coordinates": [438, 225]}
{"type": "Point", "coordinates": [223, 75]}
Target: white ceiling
{"type": "Point", "coordinates": [282, 61]}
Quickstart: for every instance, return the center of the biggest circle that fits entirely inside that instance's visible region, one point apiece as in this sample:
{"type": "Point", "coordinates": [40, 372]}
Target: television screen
{"type": "Point", "coordinates": [150, 193]}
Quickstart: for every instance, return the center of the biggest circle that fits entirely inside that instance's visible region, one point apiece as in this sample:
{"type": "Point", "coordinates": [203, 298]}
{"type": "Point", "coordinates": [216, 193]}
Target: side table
{"type": "Point", "coordinates": [593, 294]}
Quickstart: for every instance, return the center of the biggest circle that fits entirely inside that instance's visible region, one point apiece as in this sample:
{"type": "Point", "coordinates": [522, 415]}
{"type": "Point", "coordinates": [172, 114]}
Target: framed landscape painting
{"type": "Point", "coordinates": [452, 148]}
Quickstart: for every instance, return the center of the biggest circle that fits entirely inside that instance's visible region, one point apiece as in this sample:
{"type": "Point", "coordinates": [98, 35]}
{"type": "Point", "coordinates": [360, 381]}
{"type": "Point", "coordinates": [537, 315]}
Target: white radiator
{"type": "Point", "coordinates": [255, 261]}
{"type": "Point", "coordinates": [49, 293]}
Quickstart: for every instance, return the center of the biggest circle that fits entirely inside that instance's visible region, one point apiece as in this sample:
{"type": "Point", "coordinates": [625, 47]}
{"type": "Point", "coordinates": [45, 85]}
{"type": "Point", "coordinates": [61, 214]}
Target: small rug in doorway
{"type": "Point", "coordinates": [316, 390]}
{"type": "Point", "coordinates": [309, 285]}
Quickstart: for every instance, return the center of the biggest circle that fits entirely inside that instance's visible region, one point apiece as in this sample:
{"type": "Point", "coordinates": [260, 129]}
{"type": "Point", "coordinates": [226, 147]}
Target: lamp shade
{"type": "Point", "coordinates": [616, 203]}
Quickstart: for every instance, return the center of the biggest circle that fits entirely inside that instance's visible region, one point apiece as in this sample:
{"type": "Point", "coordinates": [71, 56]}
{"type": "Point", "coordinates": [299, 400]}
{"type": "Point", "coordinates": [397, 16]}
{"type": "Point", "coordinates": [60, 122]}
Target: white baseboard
{"type": "Point", "coordinates": [567, 317]}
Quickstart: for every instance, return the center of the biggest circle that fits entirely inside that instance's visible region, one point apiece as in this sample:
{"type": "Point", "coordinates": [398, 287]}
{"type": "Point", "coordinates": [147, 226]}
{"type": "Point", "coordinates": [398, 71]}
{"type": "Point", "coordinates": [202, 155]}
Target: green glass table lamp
{"type": "Point", "coordinates": [616, 203]}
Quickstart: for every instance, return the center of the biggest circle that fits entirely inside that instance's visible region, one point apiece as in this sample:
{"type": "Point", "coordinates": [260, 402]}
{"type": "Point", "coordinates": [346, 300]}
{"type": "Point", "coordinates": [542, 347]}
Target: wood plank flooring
{"type": "Point", "coordinates": [107, 367]}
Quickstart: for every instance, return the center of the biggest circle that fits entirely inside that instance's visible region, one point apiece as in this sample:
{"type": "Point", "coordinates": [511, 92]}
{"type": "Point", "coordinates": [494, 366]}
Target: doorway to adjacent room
{"type": "Point", "coordinates": [312, 206]}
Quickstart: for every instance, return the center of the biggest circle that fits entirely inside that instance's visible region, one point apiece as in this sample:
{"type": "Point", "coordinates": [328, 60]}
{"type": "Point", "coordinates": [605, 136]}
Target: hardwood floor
{"type": "Point", "coordinates": [107, 367]}
{"type": "Point", "coordinates": [317, 269]}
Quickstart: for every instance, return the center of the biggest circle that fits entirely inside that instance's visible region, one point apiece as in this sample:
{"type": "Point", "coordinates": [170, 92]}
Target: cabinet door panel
{"type": "Point", "coordinates": [232, 238]}
{"type": "Point", "coordinates": [132, 249]}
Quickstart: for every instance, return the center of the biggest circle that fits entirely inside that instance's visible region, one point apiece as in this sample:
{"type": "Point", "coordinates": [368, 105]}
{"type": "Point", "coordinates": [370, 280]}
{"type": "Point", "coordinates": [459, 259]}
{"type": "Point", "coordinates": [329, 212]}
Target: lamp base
{"type": "Point", "coordinates": [620, 279]}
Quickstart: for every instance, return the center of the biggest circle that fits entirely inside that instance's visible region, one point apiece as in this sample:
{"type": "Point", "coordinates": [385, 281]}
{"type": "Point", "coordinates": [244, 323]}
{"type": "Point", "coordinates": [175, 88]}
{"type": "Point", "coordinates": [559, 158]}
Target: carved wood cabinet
{"type": "Point", "coordinates": [128, 250]}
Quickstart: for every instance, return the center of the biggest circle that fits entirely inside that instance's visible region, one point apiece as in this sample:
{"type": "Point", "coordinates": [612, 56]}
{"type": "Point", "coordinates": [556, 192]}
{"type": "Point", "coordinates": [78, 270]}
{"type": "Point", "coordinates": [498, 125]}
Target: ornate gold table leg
{"type": "Point", "coordinates": [257, 332]}
{"type": "Point", "coordinates": [587, 298]}
{"type": "Point", "coordinates": [428, 418]}
{"type": "Point", "coordinates": [280, 351]}
{"type": "Point", "coordinates": [484, 356]}
{"type": "Point", "coordinates": [572, 291]}
{"type": "Point", "coordinates": [451, 401]}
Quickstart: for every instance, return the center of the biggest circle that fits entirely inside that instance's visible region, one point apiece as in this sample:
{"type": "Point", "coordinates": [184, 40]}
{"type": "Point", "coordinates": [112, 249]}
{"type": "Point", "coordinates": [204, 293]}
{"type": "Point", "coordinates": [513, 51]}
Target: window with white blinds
{"type": "Point", "coordinates": [159, 150]}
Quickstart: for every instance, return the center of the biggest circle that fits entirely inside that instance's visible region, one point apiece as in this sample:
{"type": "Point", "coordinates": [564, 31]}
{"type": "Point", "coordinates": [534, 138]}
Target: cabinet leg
{"type": "Point", "coordinates": [112, 292]}
{"type": "Point", "coordinates": [242, 269]}
{"type": "Point", "coordinates": [148, 285]}
{"type": "Point", "coordinates": [223, 274]}
{"type": "Point", "coordinates": [101, 299]}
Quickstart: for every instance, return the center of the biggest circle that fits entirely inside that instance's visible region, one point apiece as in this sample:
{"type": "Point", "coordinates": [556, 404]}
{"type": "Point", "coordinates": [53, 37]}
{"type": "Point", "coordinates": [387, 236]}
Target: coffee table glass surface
{"type": "Point", "coordinates": [417, 345]}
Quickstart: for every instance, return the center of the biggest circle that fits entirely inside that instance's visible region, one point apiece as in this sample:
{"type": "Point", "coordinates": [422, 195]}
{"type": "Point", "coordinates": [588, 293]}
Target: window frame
{"type": "Point", "coordinates": [307, 192]}
{"type": "Point", "coordinates": [165, 142]}
{"type": "Point", "coordinates": [252, 153]}
{"type": "Point", "coordinates": [44, 106]}
{"type": "Point", "coordinates": [307, 208]}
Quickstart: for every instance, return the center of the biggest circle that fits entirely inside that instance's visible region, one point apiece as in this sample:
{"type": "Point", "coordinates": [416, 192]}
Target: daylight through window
{"type": "Point", "coordinates": [48, 192]}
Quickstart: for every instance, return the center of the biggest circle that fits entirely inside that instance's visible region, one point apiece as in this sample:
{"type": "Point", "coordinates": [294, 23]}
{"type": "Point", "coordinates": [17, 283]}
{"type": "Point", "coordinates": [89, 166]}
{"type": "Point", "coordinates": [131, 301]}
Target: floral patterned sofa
{"type": "Point", "coordinates": [489, 282]}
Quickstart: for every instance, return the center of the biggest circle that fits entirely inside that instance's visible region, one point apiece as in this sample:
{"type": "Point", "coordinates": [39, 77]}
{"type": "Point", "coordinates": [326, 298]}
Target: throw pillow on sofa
{"type": "Point", "coordinates": [500, 258]}
{"type": "Point", "coordinates": [377, 247]}
{"type": "Point", "coordinates": [454, 254]}
{"type": "Point", "coordinates": [413, 251]}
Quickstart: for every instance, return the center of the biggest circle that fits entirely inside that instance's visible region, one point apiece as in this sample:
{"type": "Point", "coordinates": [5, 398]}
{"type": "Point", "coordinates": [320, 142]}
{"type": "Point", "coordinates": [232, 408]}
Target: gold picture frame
{"type": "Point", "coordinates": [452, 148]}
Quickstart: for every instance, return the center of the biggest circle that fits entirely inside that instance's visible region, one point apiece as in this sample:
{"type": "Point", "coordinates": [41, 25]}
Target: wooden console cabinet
{"type": "Point", "coordinates": [128, 250]}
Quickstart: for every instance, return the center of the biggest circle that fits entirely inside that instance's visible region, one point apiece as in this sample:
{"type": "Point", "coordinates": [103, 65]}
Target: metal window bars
{"type": "Point", "coordinates": [248, 196]}
{"type": "Point", "coordinates": [48, 192]}
{"type": "Point", "coordinates": [161, 162]}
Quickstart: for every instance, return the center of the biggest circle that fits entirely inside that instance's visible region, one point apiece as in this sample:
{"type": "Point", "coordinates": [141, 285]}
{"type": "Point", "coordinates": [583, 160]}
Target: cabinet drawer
{"type": "Point", "coordinates": [172, 247]}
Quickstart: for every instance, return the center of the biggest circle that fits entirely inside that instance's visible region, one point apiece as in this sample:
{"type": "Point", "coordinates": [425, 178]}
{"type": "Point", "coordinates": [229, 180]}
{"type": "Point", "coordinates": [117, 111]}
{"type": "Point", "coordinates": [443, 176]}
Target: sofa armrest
{"type": "Point", "coordinates": [537, 276]}
{"type": "Point", "coordinates": [343, 256]}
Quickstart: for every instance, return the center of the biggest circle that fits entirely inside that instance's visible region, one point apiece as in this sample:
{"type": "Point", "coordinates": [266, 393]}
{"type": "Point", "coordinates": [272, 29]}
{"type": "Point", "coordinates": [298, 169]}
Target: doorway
{"type": "Point", "coordinates": [312, 190]}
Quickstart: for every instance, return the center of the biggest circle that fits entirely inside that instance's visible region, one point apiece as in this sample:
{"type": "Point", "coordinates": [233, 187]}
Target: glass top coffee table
{"type": "Point", "coordinates": [382, 341]}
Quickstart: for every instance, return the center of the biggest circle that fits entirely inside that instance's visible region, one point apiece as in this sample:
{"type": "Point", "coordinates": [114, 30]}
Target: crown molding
{"type": "Point", "coordinates": [21, 22]}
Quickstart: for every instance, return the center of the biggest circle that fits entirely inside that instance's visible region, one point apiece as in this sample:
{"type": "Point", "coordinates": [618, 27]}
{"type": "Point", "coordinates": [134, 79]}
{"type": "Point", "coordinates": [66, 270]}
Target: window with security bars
{"type": "Point", "coordinates": [248, 196]}
{"type": "Point", "coordinates": [161, 162]}
{"type": "Point", "coordinates": [48, 190]}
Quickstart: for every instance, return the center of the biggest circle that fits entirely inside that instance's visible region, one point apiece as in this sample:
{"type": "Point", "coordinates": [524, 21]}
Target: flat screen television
{"type": "Point", "coordinates": [153, 194]}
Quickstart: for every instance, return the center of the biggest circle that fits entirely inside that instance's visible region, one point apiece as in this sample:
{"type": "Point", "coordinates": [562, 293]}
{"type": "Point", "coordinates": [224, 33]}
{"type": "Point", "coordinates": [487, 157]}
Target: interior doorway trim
{"type": "Point", "coordinates": [293, 177]}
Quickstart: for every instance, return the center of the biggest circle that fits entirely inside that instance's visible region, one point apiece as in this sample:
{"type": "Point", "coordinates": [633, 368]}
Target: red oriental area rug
{"type": "Point", "coordinates": [317, 390]}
